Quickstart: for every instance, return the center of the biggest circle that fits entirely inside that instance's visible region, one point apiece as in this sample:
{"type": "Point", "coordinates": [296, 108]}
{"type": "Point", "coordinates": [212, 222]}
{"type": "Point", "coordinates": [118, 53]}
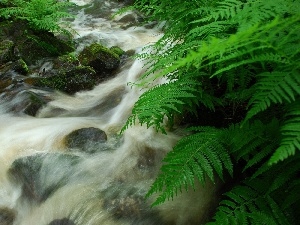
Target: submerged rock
{"type": "Point", "coordinates": [41, 175]}
{"type": "Point", "coordinates": [7, 216]}
{"type": "Point", "coordinates": [102, 59]}
{"type": "Point", "coordinates": [64, 221]}
{"type": "Point", "coordinates": [128, 203]}
{"type": "Point", "coordinates": [88, 140]}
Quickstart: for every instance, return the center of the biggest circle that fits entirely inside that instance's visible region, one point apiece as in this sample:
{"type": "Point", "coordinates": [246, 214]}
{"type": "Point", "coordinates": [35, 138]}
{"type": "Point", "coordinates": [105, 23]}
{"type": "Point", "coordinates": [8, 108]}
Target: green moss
{"type": "Point", "coordinates": [23, 66]}
{"type": "Point", "coordinates": [93, 51]}
{"type": "Point", "coordinates": [6, 51]}
{"type": "Point", "coordinates": [117, 50]}
{"type": "Point", "coordinates": [70, 58]}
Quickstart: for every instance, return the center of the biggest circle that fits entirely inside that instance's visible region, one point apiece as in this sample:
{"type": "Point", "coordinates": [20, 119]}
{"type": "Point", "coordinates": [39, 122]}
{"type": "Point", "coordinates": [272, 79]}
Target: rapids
{"type": "Point", "coordinates": [105, 188]}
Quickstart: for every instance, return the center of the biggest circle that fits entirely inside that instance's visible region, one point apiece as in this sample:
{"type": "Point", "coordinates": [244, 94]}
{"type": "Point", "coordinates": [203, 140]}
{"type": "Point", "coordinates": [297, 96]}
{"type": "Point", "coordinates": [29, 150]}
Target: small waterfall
{"type": "Point", "coordinates": [43, 181]}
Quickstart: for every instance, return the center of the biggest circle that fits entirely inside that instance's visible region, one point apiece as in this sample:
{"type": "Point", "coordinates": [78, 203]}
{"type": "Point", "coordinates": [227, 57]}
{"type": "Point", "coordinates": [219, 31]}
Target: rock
{"type": "Point", "coordinates": [6, 51]}
{"type": "Point", "coordinates": [35, 102]}
{"type": "Point", "coordinates": [147, 158]}
{"type": "Point", "coordinates": [7, 216]}
{"type": "Point", "coordinates": [4, 84]}
{"type": "Point", "coordinates": [128, 18]}
{"type": "Point", "coordinates": [30, 45]}
{"type": "Point", "coordinates": [117, 50]}
{"type": "Point", "coordinates": [102, 59]}
{"type": "Point", "coordinates": [88, 140]}
{"type": "Point", "coordinates": [70, 81]}
{"type": "Point", "coordinates": [64, 221]}
{"type": "Point", "coordinates": [20, 67]}
{"type": "Point", "coordinates": [41, 175]}
{"type": "Point", "coordinates": [128, 203]}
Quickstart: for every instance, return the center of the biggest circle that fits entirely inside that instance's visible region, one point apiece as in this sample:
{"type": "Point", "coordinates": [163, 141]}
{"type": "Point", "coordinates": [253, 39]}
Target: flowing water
{"type": "Point", "coordinates": [42, 182]}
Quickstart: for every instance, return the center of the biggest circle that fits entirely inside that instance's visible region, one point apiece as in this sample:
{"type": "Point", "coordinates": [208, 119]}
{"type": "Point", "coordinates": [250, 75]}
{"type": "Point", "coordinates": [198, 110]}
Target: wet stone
{"type": "Point", "coordinates": [7, 216]}
{"type": "Point", "coordinates": [89, 140]}
{"type": "Point", "coordinates": [147, 158]}
{"type": "Point", "coordinates": [40, 175]}
{"type": "Point", "coordinates": [127, 203]}
{"type": "Point", "coordinates": [102, 59]}
{"type": "Point", "coordinates": [64, 221]}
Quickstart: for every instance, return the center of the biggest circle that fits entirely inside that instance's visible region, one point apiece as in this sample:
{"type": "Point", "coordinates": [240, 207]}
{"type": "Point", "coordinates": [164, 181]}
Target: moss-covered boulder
{"type": "Point", "coordinates": [117, 50]}
{"type": "Point", "coordinates": [70, 81]}
{"type": "Point", "coordinates": [30, 45]}
{"type": "Point", "coordinates": [38, 46]}
{"type": "Point", "coordinates": [18, 66]}
{"type": "Point", "coordinates": [102, 59]}
{"type": "Point", "coordinates": [6, 51]}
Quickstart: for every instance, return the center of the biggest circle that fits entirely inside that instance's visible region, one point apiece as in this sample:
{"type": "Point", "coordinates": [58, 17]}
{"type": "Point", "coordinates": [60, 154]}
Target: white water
{"type": "Point", "coordinates": [106, 188]}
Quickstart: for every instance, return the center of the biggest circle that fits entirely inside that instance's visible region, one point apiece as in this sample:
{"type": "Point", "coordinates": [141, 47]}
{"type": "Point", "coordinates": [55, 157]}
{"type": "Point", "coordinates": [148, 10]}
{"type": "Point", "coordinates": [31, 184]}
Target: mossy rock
{"type": "Point", "coordinates": [70, 81]}
{"type": "Point", "coordinates": [35, 47]}
{"type": "Point", "coordinates": [31, 45]}
{"type": "Point", "coordinates": [100, 58]}
{"type": "Point", "coordinates": [20, 66]}
{"type": "Point", "coordinates": [117, 50]}
{"type": "Point", "coordinates": [6, 51]}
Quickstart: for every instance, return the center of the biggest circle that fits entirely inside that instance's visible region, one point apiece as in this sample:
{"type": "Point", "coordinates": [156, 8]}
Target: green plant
{"type": "Point", "coordinates": [238, 59]}
{"type": "Point", "coordinates": [41, 15]}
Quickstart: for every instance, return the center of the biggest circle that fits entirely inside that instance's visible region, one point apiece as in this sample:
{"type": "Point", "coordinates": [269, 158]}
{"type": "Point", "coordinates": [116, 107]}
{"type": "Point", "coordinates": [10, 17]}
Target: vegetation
{"type": "Point", "coordinates": [239, 61]}
{"type": "Point", "coordinates": [41, 15]}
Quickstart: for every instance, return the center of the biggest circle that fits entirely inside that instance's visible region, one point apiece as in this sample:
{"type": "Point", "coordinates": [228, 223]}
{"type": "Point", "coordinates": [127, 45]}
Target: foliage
{"type": "Point", "coordinates": [41, 15]}
{"type": "Point", "coordinates": [238, 59]}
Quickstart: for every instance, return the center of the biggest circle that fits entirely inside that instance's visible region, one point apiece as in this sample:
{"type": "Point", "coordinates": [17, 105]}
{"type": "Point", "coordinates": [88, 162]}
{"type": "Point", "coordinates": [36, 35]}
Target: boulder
{"type": "Point", "coordinates": [34, 103]}
{"type": "Point", "coordinates": [31, 46]}
{"type": "Point", "coordinates": [126, 202]}
{"type": "Point", "coordinates": [40, 175]}
{"type": "Point", "coordinates": [88, 140]}
{"type": "Point", "coordinates": [64, 221]}
{"type": "Point", "coordinates": [6, 51]}
{"type": "Point", "coordinates": [20, 67]}
{"type": "Point", "coordinates": [102, 59]}
{"type": "Point", "coordinates": [68, 80]}
{"type": "Point", "coordinates": [7, 216]}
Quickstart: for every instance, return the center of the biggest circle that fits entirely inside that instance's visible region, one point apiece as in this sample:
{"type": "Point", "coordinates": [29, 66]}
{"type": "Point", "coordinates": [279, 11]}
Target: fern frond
{"type": "Point", "coordinates": [198, 155]}
{"type": "Point", "coordinates": [274, 87]}
{"type": "Point", "coordinates": [251, 203]}
{"type": "Point", "coordinates": [290, 142]}
{"type": "Point", "coordinates": [165, 100]}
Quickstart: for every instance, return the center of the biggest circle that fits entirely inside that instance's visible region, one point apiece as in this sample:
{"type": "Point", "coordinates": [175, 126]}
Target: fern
{"type": "Point", "coordinates": [199, 155]}
{"type": "Point", "coordinates": [264, 199]}
{"type": "Point", "coordinates": [291, 134]}
{"type": "Point", "coordinates": [41, 15]}
{"type": "Point", "coordinates": [275, 87]}
{"type": "Point", "coordinates": [240, 60]}
{"type": "Point", "coordinates": [166, 100]}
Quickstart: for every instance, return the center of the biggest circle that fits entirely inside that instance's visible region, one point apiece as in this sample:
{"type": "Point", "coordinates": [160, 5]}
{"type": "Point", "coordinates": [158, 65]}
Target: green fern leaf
{"type": "Point", "coordinates": [197, 155]}
{"type": "Point", "coordinates": [274, 87]}
{"type": "Point", "coordinates": [290, 134]}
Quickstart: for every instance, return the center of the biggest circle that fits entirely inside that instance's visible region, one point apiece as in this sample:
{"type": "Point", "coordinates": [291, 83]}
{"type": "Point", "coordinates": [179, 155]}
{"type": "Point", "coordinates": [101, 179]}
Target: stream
{"type": "Point", "coordinates": [44, 182]}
